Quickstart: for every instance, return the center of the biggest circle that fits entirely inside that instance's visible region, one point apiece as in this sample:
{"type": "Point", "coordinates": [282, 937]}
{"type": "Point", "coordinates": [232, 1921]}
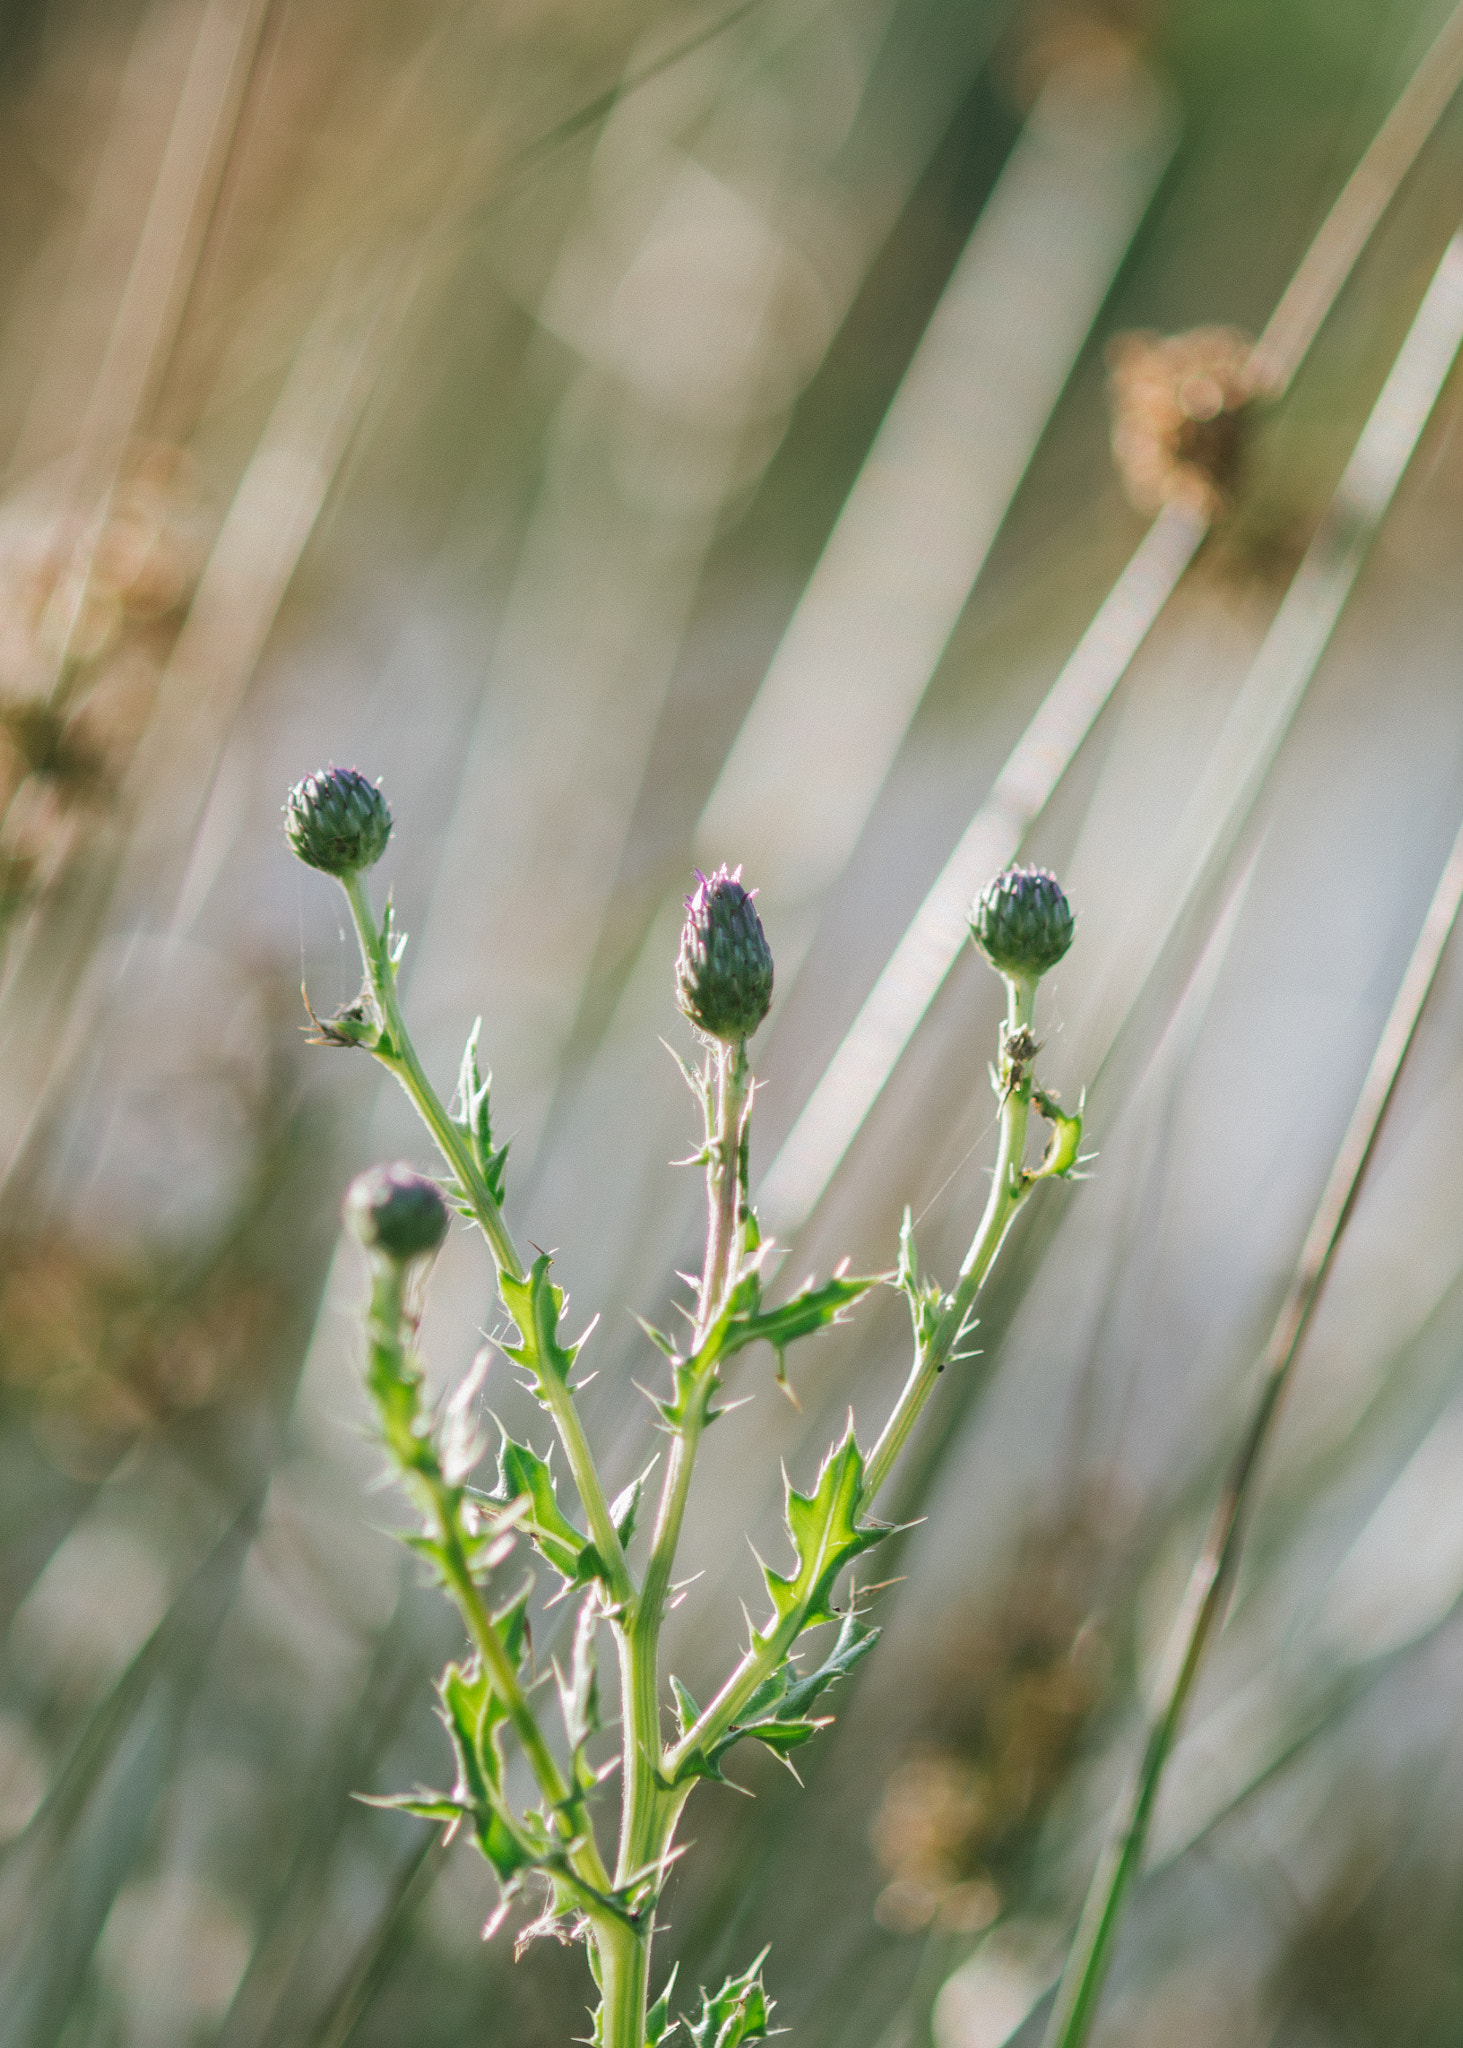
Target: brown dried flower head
{"type": "Point", "coordinates": [1180, 410]}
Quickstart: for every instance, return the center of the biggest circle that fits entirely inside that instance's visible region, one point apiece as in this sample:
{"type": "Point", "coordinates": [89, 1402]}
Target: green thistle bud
{"type": "Point", "coordinates": [1022, 922]}
{"type": "Point", "coordinates": [393, 1210]}
{"type": "Point", "coordinates": [337, 821]}
{"type": "Point", "coordinates": [724, 970]}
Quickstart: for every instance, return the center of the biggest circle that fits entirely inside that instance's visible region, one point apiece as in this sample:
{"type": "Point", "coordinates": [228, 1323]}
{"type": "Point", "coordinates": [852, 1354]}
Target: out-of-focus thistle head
{"type": "Point", "coordinates": [724, 969]}
{"type": "Point", "coordinates": [337, 821]}
{"type": "Point", "coordinates": [1022, 922]}
{"type": "Point", "coordinates": [396, 1211]}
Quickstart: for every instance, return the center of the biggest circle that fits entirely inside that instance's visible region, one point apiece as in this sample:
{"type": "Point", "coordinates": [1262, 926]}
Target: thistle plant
{"type": "Point", "coordinates": [616, 1559]}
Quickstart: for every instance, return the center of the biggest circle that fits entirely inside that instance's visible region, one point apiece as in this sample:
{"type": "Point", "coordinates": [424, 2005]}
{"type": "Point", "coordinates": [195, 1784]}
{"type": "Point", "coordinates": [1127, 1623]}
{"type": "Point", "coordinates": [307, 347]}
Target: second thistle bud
{"type": "Point", "coordinates": [724, 969]}
{"type": "Point", "coordinates": [336, 821]}
{"type": "Point", "coordinates": [399, 1212]}
{"type": "Point", "coordinates": [1022, 922]}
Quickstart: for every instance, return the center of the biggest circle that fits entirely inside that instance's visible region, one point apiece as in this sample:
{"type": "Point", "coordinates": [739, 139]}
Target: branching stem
{"type": "Point", "coordinates": [396, 1052]}
{"type": "Point", "coordinates": [1009, 1189]}
{"type": "Point", "coordinates": [651, 1808]}
{"type": "Point", "coordinates": [387, 1318]}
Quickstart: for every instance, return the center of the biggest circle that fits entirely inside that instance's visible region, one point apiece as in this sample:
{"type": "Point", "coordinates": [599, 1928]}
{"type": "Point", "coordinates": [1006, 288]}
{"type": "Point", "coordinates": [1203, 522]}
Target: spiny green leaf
{"type": "Point", "coordinates": [739, 2012]}
{"type": "Point", "coordinates": [474, 1119]}
{"type": "Point", "coordinates": [743, 1320]}
{"type": "Point", "coordinates": [579, 1692]}
{"type": "Point", "coordinates": [658, 1338]}
{"type": "Point", "coordinates": [779, 1711]}
{"type": "Point", "coordinates": [811, 1310]}
{"type": "Point", "coordinates": [659, 2025]}
{"type": "Point", "coordinates": [625, 1507]}
{"type": "Point", "coordinates": [522, 1472]}
{"type": "Point", "coordinates": [826, 1536]}
{"type": "Point", "coordinates": [425, 1805]}
{"type": "Point", "coordinates": [855, 1640]}
{"type": "Point", "coordinates": [537, 1307]}
{"type": "Point", "coordinates": [926, 1297]}
{"type": "Point", "coordinates": [687, 1711]}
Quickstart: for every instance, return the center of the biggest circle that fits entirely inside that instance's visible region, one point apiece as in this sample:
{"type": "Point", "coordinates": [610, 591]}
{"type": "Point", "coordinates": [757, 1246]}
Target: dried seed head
{"type": "Point", "coordinates": [724, 969]}
{"type": "Point", "coordinates": [399, 1212]}
{"type": "Point", "coordinates": [337, 821]}
{"type": "Point", "coordinates": [1181, 406]}
{"type": "Point", "coordinates": [1022, 922]}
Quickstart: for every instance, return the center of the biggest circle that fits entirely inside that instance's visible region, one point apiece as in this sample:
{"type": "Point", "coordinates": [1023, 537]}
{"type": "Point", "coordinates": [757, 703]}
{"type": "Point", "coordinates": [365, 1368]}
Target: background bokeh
{"type": "Point", "coordinates": [489, 393]}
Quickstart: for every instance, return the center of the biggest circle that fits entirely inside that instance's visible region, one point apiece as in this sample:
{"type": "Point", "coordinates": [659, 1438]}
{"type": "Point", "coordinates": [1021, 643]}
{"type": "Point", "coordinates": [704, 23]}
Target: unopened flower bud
{"type": "Point", "coordinates": [399, 1212]}
{"type": "Point", "coordinates": [337, 821]}
{"type": "Point", "coordinates": [1022, 922]}
{"type": "Point", "coordinates": [724, 970]}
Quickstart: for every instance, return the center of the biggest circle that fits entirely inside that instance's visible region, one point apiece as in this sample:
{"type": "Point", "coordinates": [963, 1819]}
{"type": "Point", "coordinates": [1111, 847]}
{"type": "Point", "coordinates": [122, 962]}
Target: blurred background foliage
{"type": "Point", "coordinates": [469, 390]}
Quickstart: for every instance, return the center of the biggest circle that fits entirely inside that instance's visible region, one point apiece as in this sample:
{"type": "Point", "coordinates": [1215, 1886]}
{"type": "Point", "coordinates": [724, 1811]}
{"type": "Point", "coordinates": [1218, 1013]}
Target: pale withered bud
{"type": "Point", "coordinates": [394, 1210]}
{"type": "Point", "coordinates": [1022, 922]}
{"type": "Point", "coordinates": [724, 969]}
{"type": "Point", "coordinates": [337, 821]}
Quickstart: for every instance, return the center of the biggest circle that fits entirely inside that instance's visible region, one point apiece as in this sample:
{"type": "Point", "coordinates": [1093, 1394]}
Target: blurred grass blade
{"type": "Point", "coordinates": [282, 1973]}
{"type": "Point", "coordinates": [47, 1011]}
{"type": "Point", "coordinates": [1081, 1986]}
{"type": "Point", "coordinates": [867, 1056]}
{"type": "Point", "coordinates": [1364, 198]}
{"type": "Point", "coordinates": [916, 970]}
{"type": "Point", "coordinates": [868, 633]}
{"type": "Point", "coordinates": [142, 330]}
{"type": "Point", "coordinates": [1271, 695]}
{"type": "Point", "coordinates": [59, 1878]}
{"type": "Point", "coordinates": [416, 1873]}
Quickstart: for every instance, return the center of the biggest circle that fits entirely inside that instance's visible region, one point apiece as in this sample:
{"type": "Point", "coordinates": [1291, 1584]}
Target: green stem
{"type": "Point", "coordinates": [1009, 1189]}
{"type": "Point", "coordinates": [387, 1316]}
{"type": "Point", "coordinates": [650, 1811]}
{"type": "Point", "coordinates": [623, 1954]}
{"type": "Point", "coordinates": [397, 1053]}
{"type": "Point", "coordinates": [725, 1153]}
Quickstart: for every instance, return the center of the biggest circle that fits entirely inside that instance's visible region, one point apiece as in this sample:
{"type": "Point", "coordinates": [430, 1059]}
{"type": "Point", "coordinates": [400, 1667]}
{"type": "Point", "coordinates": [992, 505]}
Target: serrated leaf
{"type": "Point", "coordinates": [523, 1473]}
{"type": "Point", "coordinates": [854, 1642]}
{"type": "Point", "coordinates": [461, 1439]}
{"type": "Point", "coordinates": [926, 1297]}
{"type": "Point", "coordinates": [475, 1120]}
{"type": "Point", "coordinates": [687, 1711]}
{"type": "Point", "coordinates": [811, 1310]}
{"type": "Point", "coordinates": [537, 1307]}
{"type": "Point", "coordinates": [468, 1703]}
{"type": "Point", "coordinates": [779, 1712]}
{"type": "Point", "coordinates": [738, 2013]}
{"type": "Point", "coordinates": [425, 1805]}
{"type": "Point", "coordinates": [579, 1692]}
{"type": "Point", "coordinates": [659, 2026]}
{"type": "Point", "coordinates": [658, 1338]}
{"type": "Point", "coordinates": [625, 1507]}
{"type": "Point", "coordinates": [826, 1536]}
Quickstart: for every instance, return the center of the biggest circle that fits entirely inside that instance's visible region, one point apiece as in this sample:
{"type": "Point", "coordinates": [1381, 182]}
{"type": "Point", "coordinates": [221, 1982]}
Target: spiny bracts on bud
{"type": "Point", "coordinates": [337, 821]}
{"type": "Point", "coordinates": [724, 969]}
{"type": "Point", "coordinates": [396, 1211]}
{"type": "Point", "coordinates": [1022, 922]}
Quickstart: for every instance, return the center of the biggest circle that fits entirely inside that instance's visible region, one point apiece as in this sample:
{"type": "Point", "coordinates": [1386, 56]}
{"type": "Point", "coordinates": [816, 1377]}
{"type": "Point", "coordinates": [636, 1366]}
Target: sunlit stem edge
{"type": "Point", "coordinates": [399, 1057]}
